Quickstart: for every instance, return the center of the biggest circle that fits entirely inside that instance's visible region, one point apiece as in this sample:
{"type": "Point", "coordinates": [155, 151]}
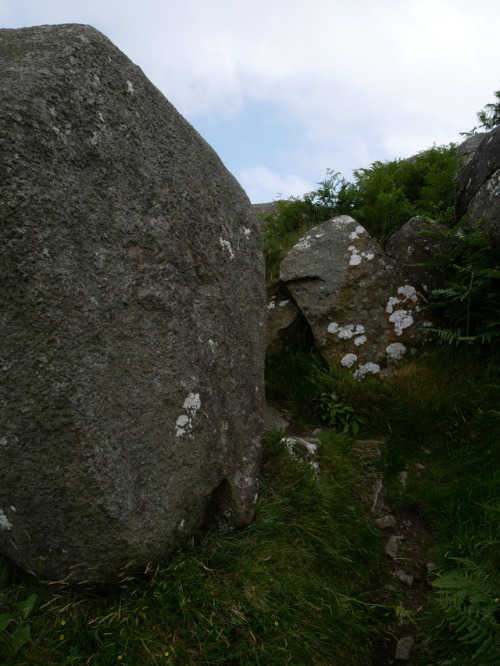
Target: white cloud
{"type": "Point", "coordinates": [262, 185]}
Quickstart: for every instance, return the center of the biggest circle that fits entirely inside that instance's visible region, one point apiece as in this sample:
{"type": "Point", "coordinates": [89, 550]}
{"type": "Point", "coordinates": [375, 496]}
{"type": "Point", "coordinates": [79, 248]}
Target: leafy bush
{"type": "Point", "coordinates": [468, 599]}
{"type": "Point", "coordinates": [469, 302]}
{"type": "Point", "coordinates": [382, 197]}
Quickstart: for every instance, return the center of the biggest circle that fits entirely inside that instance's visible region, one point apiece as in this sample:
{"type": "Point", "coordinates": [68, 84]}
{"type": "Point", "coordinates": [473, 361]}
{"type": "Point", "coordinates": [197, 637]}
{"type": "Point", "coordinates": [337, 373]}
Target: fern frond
{"type": "Point", "coordinates": [469, 598]}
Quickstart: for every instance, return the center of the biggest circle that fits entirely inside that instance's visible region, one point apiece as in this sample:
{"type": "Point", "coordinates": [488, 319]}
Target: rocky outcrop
{"type": "Point", "coordinates": [478, 192]}
{"type": "Point", "coordinates": [363, 312]}
{"type": "Point", "coordinates": [414, 247]}
{"type": "Point", "coordinates": [133, 327]}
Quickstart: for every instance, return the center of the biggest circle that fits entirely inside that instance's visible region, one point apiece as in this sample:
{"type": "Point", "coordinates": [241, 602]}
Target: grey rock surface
{"type": "Point", "coordinates": [478, 191]}
{"type": "Point", "coordinates": [414, 245]}
{"type": "Point", "coordinates": [483, 164]}
{"type": "Point", "coordinates": [133, 318]}
{"type": "Point", "coordinates": [363, 312]}
{"type": "Point", "coordinates": [286, 326]}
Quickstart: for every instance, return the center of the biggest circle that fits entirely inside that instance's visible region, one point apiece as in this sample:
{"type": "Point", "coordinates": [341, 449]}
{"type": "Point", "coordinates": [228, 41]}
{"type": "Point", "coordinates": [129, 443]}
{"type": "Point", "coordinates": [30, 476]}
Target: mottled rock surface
{"type": "Point", "coordinates": [286, 327]}
{"type": "Point", "coordinates": [133, 319]}
{"type": "Point", "coordinates": [478, 191]}
{"type": "Point", "coordinates": [363, 312]}
{"type": "Point", "coordinates": [414, 245]}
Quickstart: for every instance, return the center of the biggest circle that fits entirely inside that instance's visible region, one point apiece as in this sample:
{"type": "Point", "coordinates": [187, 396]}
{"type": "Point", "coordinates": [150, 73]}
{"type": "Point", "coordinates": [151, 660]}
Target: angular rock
{"type": "Point", "coordinates": [363, 312]}
{"type": "Point", "coordinates": [404, 647]}
{"type": "Point", "coordinates": [393, 545]}
{"type": "Point", "coordinates": [478, 191]}
{"type": "Point", "coordinates": [414, 245]}
{"type": "Point", "coordinates": [133, 326]}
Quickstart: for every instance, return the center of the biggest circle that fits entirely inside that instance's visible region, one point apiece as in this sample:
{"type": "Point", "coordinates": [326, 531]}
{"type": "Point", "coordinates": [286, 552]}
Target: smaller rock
{"type": "Point", "coordinates": [404, 647]}
{"type": "Point", "coordinates": [377, 504]}
{"type": "Point", "coordinates": [389, 588]}
{"type": "Point", "coordinates": [393, 545]}
{"type": "Point", "coordinates": [403, 478]}
{"type": "Point", "coordinates": [405, 578]}
{"type": "Point", "coordinates": [273, 419]}
{"type": "Point", "coordinates": [386, 522]}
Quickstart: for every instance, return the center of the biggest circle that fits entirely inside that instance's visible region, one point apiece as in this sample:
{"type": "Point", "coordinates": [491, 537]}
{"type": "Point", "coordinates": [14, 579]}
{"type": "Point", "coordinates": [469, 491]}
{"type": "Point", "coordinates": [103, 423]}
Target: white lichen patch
{"type": "Point", "coordinates": [184, 423]}
{"type": "Point", "coordinates": [428, 324]}
{"type": "Point", "coordinates": [396, 351]}
{"type": "Point", "coordinates": [409, 293]}
{"type": "Point", "coordinates": [213, 345]}
{"type": "Point", "coordinates": [346, 332]}
{"type": "Point", "coordinates": [349, 360]}
{"type": "Point", "coordinates": [406, 294]}
{"type": "Point", "coordinates": [271, 305]}
{"type": "Point", "coordinates": [130, 88]}
{"type": "Point", "coordinates": [247, 232]}
{"type": "Point", "coordinates": [357, 232]}
{"type": "Point", "coordinates": [367, 368]}
{"type": "Point", "coordinates": [303, 244]}
{"type": "Point", "coordinates": [357, 256]}
{"type": "Point", "coordinates": [4, 522]}
{"type": "Point", "coordinates": [401, 319]}
{"type": "Point", "coordinates": [226, 245]}
{"type": "Point", "coordinates": [283, 304]}
{"type": "Point", "coordinates": [333, 327]}
{"type": "Point", "coordinates": [360, 340]}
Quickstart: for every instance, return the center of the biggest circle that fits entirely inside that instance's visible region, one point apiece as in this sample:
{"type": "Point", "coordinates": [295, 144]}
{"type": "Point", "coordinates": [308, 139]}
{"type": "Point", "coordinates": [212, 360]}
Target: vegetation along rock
{"type": "Point", "coordinates": [133, 332]}
{"type": "Point", "coordinates": [363, 311]}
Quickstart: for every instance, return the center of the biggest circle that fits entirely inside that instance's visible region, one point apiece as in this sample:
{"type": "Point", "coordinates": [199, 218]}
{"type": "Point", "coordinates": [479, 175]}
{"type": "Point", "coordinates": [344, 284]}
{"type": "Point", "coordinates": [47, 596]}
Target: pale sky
{"type": "Point", "coordinates": [285, 89]}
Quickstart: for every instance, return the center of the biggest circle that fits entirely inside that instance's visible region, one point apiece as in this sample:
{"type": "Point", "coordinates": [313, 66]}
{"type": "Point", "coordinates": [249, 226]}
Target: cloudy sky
{"type": "Point", "coordinates": [285, 89]}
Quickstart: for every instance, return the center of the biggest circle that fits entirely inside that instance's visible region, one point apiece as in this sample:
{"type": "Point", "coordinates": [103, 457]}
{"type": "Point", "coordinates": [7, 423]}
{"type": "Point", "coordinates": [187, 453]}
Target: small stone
{"type": "Point", "coordinates": [377, 499]}
{"type": "Point", "coordinates": [405, 578]}
{"type": "Point", "coordinates": [404, 647]}
{"type": "Point", "coordinates": [389, 588]}
{"type": "Point", "coordinates": [393, 545]}
{"type": "Point", "coordinates": [386, 522]}
{"type": "Point", "coordinates": [403, 478]}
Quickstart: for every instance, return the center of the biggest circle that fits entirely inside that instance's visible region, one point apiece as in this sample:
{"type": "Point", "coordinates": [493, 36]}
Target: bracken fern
{"type": "Point", "coordinates": [469, 599]}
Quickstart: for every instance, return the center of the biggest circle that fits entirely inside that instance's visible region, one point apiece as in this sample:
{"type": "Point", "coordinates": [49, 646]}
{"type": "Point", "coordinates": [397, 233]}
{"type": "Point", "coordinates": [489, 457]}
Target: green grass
{"type": "Point", "coordinates": [290, 588]}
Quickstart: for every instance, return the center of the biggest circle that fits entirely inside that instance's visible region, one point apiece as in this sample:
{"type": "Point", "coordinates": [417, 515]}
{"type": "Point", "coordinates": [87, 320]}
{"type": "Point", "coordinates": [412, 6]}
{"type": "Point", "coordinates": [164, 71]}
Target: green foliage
{"type": "Point", "coordinates": [312, 392]}
{"type": "Point", "coordinates": [489, 117]}
{"type": "Point", "coordinates": [469, 302]}
{"type": "Point", "coordinates": [388, 194]}
{"type": "Point", "coordinates": [382, 197]}
{"type": "Point", "coordinates": [20, 633]}
{"type": "Point", "coordinates": [468, 597]}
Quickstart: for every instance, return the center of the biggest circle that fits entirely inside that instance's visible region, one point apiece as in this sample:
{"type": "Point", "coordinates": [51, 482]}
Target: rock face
{"type": "Point", "coordinates": [412, 246]}
{"type": "Point", "coordinates": [363, 312]}
{"type": "Point", "coordinates": [478, 193]}
{"type": "Point", "coordinates": [286, 327]}
{"type": "Point", "coordinates": [133, 326]}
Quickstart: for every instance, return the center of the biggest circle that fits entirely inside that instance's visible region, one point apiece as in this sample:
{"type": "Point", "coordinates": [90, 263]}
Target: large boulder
{"type": "Point", "coordinates": [478, 190]}
{"type": "Point", "coordinates": [418, 247]}
{"type": "Point", "coordinates": [363, 312]}
{"type": "Point", "coordinates": [133, 326]}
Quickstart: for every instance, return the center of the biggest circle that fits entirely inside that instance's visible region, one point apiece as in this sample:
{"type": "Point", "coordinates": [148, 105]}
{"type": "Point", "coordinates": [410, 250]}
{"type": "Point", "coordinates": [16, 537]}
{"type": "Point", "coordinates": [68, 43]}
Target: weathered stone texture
{"type": "Point", "coordinates": [363, 312]}
{"type": "Point", "coordinates": [133, 316]}
{"type": "Point", "coordinates": [414, 247]}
